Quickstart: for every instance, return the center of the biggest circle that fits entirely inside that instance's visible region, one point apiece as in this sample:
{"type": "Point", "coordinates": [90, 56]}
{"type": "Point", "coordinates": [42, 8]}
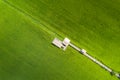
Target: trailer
{"type": "Point", "coordinates": [64, 44]}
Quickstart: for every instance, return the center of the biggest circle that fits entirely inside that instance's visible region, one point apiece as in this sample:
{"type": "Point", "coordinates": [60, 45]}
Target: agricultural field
{"type": "Point", "coordinates": [27, 28]}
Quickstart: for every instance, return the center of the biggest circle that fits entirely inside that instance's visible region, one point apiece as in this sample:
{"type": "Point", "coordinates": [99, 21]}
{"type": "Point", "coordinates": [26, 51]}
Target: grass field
{"type": "Point", "coordinates": [27, 28]}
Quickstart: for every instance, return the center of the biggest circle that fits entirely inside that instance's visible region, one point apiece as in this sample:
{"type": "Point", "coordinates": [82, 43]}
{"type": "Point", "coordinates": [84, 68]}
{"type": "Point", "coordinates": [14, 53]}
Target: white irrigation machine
{"type": "Point", "coordinates": [66, 42]}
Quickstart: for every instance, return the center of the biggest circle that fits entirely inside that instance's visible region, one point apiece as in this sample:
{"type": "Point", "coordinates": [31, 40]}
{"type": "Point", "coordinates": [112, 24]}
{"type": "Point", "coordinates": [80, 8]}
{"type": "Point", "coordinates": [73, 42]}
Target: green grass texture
{"type": "Point", "coordinates": [27, 28]}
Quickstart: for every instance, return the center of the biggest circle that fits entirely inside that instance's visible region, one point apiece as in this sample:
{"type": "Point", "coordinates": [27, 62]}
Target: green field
{"type": "Point", "coordinates": [27, 28]}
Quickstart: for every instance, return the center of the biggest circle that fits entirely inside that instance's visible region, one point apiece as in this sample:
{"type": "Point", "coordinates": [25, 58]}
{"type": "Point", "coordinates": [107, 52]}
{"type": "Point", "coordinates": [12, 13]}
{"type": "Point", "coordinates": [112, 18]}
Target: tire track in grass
{"type": "Point", "coordinates": [42, 25]}
{"type": "Point", "coordinates": [27, 62]}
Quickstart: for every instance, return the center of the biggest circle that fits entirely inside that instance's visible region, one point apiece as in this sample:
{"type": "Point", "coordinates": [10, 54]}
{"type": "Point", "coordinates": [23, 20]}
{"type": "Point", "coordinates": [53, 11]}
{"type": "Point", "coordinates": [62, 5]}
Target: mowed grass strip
{"type": "Point", "coordinates": [27, 53]}
{"type": "Point", "coordinates": [90, 24]}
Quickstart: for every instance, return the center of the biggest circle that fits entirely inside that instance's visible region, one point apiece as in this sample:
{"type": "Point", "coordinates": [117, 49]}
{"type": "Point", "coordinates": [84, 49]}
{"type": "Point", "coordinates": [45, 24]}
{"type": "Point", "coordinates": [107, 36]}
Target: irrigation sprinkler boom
{"type": "Point", "coordinates": [63, 44]}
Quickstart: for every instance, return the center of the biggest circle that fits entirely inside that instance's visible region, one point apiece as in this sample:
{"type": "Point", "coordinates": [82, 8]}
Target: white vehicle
{"type": "Point", "coordinates": [64, 44]}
